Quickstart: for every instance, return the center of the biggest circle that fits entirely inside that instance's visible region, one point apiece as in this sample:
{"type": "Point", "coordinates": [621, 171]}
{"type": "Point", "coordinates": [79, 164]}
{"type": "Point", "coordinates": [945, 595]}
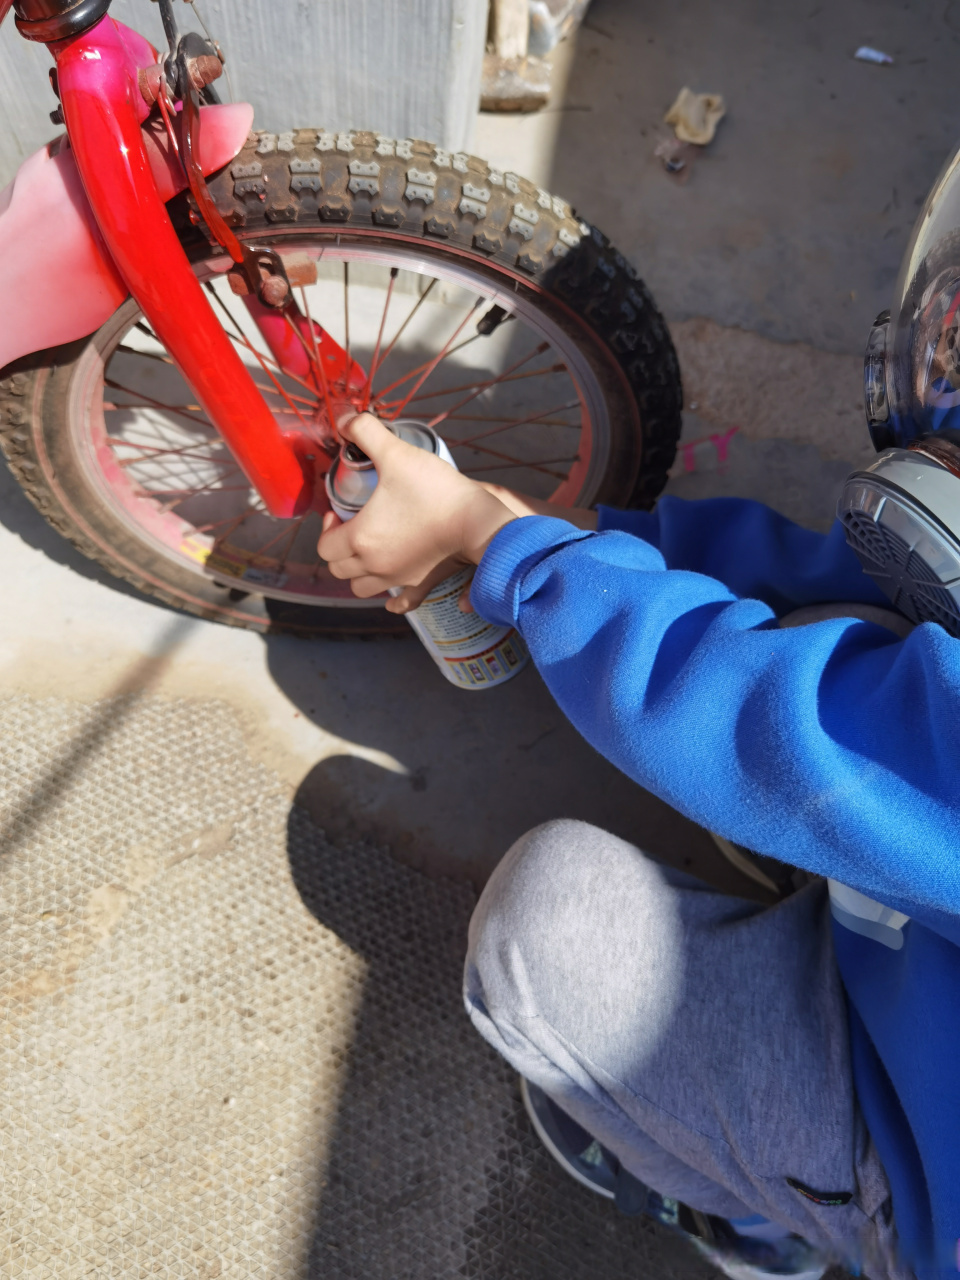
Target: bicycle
{"type": "Point", "coordinates": [193, 307]}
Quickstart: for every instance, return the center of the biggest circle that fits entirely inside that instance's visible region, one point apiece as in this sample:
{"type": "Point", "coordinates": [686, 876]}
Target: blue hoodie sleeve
{"type": "Point", "coordinates": [751, 549]}
{"type": "Point", "coordinates": [833, 746]}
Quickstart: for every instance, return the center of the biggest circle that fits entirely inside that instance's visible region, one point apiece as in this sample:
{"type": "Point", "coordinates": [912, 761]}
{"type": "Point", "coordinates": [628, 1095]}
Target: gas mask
{"type": "Point", "coordinates": [902, 514]}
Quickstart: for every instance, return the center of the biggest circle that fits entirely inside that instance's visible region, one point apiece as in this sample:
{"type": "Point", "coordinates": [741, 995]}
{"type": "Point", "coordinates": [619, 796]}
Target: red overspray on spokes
{"type": "Point", "coordinates": [306, 352]}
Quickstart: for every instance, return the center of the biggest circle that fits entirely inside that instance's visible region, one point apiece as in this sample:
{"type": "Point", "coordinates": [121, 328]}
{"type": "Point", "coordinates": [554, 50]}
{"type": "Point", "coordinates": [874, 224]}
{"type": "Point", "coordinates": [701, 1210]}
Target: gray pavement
{"type": "Point", "coordinates": [793, 221]}
{"type": "Point", "coordinates": [187, 809]}
{"type": "Point", "coordinates": [233, 1048]}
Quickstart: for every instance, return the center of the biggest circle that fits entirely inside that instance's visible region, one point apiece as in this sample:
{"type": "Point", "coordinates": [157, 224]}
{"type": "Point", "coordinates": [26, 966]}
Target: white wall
{"type": "Point", "coordinates": [408, 68]}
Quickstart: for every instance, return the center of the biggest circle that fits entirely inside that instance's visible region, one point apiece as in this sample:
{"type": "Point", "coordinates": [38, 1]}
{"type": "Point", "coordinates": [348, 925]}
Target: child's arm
{"type": "Point", "coordinates": [834, 746]}
{"type": "Point", "coordinates": [752, 550]}
{"type": "Point", "coordinates": [745, 545]}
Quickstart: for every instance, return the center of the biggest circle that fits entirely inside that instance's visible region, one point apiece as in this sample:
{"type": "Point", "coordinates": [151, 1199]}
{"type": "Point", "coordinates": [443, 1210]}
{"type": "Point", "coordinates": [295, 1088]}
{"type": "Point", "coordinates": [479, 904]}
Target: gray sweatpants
{"type": "Point", "coordinates": [701, 1038]}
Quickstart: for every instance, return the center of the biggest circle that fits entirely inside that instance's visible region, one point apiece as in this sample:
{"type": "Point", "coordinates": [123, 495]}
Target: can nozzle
{"type": "Point", "coordinates": [353, 455]}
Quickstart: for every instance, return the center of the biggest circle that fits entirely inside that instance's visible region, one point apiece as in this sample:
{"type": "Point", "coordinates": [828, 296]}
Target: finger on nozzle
{"type": "Point", "coordinates": [351, 450]}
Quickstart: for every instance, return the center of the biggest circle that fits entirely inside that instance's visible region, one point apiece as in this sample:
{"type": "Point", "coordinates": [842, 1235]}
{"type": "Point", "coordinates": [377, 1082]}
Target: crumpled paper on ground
{"type": "Point", "coordinates": [695, 116]}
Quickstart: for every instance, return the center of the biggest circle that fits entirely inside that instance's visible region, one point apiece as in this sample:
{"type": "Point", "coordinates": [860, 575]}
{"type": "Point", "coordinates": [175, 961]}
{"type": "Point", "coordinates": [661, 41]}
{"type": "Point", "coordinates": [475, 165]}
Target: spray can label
{"type": "Point", "coordinates": [471, 653]}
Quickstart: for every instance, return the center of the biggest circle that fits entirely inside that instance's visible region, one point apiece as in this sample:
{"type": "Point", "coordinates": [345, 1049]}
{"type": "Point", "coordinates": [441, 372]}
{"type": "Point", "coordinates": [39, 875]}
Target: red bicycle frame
{"type": "Point", "coordinates": [99, 83]}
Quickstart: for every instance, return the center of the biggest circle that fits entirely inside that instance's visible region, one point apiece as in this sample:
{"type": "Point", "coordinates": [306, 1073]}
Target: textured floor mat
{"type": "Point", "coordinates": [230, 1048]}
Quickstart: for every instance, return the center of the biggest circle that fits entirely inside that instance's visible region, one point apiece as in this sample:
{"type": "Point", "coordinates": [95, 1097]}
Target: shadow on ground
{"type": "Point", "coordinates": [432, 1168]}
{"type": "Point", "coordinates": [472, 771]}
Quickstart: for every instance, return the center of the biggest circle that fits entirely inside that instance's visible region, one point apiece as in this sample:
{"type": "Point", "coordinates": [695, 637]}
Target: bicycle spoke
{"type": "Point", "coordinates": [157, 404]}
{"type": "Point", "coordinates": [346, 310]}
{"type": "Point", "coordinates": [277, 389]}
{"type": "Point", "coordinates": [293, 537]}
{"type": "Point", "coordinates": [398, 334]}
{"type": "Point", "coordinates": [511, 464]}
{"type": "Point", "coordinates": [190, 457]}
{"type": "Point", "coordinates": [366, 393]}
{"type": "Point", "coordinates": [284, 532]}
{"type": "Point", "coordinates": [237, 522]}
{"type": "Point", "coordinates": [147, 448]}
{"type": "Point", "coordinates": [110, 406]}
{"type": "Point", "coordinates": [313, 357]}
{"type": "Point", "coordinates": [468, 386]}
{"type": "Point", "coordinates": [413, 372]}
{"type": "Point", "coordinates": [491, 382]}
{"type": "Point", "coordinates": [514, 462]}
{"type": "Point", "coordinates": [277, 537]}
{"type": "Point", "coordinates": [441, 355]}
{"type": "Point", "coordinates": [233, 521]}
{"type": "Point", "coordinates": [544, 422]}
{"type": "Point", "coordinates": [234, 331]}
{"type": "Point", "coordinates": [519, 422]}
{"type": "Point", "coordinates": [179, 496]}
{"type": "Point", "coordinates": [154, 452]}
{"type": "Point", "coordinates": [238, 336]}
{"type": "Point", "coordinates": [302, 340]}
{"type": "Point", "coordinates": [152, 355]}
{"type": "Point", "coordinates": [265, 387]}
{"type": "Point", "coordinates": [263, 364]}
{"type": "Point", "coordinates": [318, 364]}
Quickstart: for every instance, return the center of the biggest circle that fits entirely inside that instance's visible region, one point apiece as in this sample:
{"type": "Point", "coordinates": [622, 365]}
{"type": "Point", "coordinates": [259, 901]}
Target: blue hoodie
{"type": "Point", "coordinates": [835, 747]}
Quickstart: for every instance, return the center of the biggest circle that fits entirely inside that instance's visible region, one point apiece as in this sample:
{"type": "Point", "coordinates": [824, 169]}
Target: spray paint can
{"type": "Point", "coordinates": [471, 653]}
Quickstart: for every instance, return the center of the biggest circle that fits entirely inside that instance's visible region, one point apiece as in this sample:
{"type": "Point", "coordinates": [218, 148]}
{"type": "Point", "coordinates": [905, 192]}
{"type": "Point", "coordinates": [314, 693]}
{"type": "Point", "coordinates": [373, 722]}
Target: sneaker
{"type": "Point", "coordinates": [749, 1258]}
{"type": "Point", "coordinates": [572, 1147]}
{"type": "Point", "coordinates": [581, 1156]}
{"type": "Point", "coordinates": [744, 1249]}
{"type": "Point", "coordinates": [777, 877]}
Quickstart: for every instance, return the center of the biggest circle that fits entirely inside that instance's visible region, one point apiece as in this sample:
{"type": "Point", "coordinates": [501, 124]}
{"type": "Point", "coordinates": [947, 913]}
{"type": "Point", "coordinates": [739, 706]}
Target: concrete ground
{"type": "Point", "coordinates": [232, 1031]}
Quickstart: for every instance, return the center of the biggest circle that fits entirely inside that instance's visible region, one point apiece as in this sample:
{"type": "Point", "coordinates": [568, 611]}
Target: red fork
{"type": "Point", "coordinates": [103, 110]}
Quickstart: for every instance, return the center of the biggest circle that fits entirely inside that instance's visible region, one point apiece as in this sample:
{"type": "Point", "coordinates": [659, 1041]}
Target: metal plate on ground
{"type": "Point", "coordinates": [230, 1048]}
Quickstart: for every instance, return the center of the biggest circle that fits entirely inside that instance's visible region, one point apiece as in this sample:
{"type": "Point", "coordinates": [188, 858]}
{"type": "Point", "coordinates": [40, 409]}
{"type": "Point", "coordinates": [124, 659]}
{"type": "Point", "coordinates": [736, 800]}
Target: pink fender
{"type": "Point", "coordinates": [57, 280]}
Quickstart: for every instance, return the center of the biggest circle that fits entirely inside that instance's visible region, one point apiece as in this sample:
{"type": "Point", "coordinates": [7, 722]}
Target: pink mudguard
{"type": "Point", "coordinates": [57, 279]}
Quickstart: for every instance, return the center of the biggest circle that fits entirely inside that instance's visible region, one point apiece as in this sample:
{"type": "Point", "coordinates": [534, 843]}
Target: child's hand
{"type": "Point", "coordinates": [424, 521]}
{"type": "Point", "coordinates": [522, 505]}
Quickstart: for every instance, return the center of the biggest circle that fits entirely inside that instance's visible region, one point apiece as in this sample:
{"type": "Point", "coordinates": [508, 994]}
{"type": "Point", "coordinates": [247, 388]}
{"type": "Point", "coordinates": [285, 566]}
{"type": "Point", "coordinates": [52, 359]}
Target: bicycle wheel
{"type": "Point", "coordinates": [470, 298]}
